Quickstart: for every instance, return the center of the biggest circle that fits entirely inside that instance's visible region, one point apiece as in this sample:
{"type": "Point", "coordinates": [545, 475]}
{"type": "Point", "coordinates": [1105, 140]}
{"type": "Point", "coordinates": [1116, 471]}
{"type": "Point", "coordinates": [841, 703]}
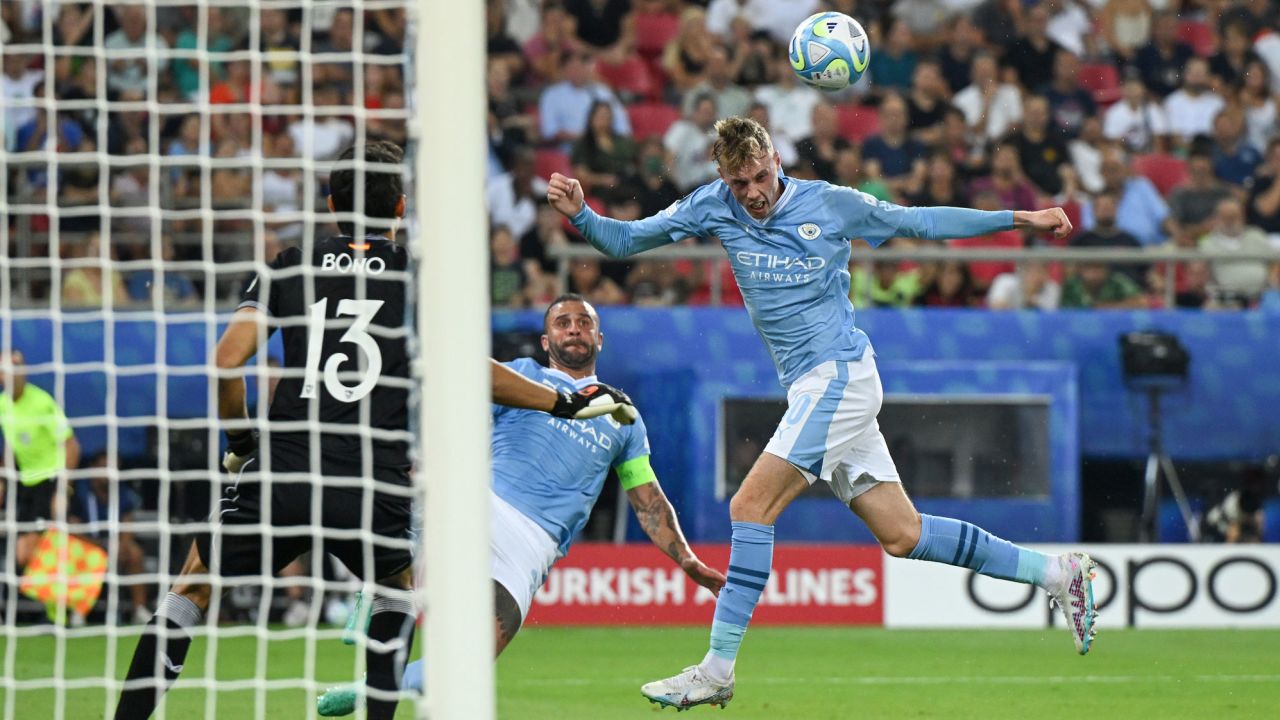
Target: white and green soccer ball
{"type": "Point", "coordinates": [829, 51]}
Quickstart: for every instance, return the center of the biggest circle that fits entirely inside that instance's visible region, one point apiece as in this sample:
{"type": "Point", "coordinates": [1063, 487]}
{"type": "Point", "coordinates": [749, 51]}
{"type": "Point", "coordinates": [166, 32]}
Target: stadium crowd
{"type": "Point", "coordinates": [1153, 123]}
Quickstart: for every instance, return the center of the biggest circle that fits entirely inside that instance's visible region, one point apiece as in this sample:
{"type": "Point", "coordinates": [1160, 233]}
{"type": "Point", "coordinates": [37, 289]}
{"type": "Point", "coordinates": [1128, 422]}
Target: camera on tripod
{"type": "Point", "coordinates": [1150, 357]}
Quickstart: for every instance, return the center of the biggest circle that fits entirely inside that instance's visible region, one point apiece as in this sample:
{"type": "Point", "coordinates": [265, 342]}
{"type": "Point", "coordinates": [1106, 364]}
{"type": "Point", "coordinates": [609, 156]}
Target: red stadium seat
{"type": "Point", "coordinates": [650, 119]}
{"type": "Point", "coordinates": [984, 271]}
{"type": "Point", "coordinates": [630, 78]}
{"type": "Point", "coordinates": [856, 122]}
{"type": "Point", "coordinates": [1199, 36]}
{"type": "Point", "coordinates": [1164, 171]}
{"type": "Point", "coordinates": [548, 160]}
{"type": "Point", "coordinates": [1102, 80]}
{"type": "Point", "coordinates": [654, 31]}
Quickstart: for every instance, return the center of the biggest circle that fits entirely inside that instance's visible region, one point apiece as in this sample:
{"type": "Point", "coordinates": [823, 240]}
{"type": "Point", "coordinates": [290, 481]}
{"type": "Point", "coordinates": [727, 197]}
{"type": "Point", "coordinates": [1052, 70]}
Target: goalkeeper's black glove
{"type": "Point", "coordinates": [595, 400]}
{"type": "Point", "coordinates": [241, 444]}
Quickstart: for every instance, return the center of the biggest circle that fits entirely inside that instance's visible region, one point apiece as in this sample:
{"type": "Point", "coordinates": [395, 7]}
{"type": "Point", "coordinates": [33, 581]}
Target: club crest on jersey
{"type": "Point", "coordinates": [809, 231]}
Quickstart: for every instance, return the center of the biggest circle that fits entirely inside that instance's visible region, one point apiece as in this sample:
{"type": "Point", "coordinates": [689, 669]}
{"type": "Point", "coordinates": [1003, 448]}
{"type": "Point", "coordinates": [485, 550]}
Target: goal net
{"type": "Point", "coordinates": [157, 156]}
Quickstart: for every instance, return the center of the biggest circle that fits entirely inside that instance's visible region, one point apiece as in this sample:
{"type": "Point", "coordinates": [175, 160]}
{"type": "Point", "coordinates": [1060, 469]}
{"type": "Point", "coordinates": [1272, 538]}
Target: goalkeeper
{"type": "Point", "coordinates": [547, 475]}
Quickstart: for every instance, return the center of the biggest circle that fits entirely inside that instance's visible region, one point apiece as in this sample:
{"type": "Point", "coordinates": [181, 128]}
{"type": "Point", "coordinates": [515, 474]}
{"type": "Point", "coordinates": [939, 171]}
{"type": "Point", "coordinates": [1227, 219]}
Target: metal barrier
{"type": "Point", "coordinates": [1170, 256]}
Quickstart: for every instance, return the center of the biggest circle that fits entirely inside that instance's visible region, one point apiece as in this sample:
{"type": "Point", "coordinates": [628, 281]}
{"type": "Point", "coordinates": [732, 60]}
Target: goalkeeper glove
{"type": "Point", "coordinates": [595, 400]}
{"type": "Point", "coordinates": [240, 445]}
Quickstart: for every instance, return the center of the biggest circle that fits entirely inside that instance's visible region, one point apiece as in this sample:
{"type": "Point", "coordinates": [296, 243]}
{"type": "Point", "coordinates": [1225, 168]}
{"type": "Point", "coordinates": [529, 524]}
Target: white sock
{"type": "Point", "coordinates": [716, 667]}
{"type": "Point", "coordinates": [1054, 573]}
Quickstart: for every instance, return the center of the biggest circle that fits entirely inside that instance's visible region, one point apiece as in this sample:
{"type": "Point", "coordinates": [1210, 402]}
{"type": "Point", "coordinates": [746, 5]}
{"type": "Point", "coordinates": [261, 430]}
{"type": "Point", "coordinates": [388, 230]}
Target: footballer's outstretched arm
{"type": "Point", "coordinates": [658, 518]}
{"type": "Point", "coordinates": [512, 389]}
{"type": "Point", "coordinates": [614, 238]}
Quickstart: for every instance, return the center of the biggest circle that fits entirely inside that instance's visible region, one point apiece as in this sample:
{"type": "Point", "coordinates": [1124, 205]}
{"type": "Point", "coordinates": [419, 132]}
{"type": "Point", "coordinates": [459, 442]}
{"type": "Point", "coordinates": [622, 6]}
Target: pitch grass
{"type": "Point", "coordinates": [810, 673]}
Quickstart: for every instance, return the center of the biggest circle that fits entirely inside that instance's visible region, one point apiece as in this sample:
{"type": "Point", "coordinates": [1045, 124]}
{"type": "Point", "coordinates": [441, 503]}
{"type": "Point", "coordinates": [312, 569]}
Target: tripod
{"type": "Point", "coordinates": [1157, 461]}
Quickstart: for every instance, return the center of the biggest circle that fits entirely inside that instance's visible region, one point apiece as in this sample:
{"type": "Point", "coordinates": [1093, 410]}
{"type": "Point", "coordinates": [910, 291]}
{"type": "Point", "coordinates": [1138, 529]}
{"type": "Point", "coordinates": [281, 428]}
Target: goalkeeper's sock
{"type": "Point", "coordinates": [163, 645]}
{"type": "Point", "coordinates": [412, 679]}
{"type": "Point", "coordinates": [959, 543]}
{"type": "Point", "coordinates": [750, 555]}
{"type": "Point", "coordinates": [390, 639]}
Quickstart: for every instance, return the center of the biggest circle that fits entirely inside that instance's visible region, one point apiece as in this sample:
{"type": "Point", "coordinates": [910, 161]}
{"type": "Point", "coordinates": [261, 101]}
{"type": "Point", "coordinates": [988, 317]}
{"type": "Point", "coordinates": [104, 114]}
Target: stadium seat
{"type": "Point", "coordinates": [984, 271]}
{"type": "Point", "coordinates": [630, 79]}
{"type": "Point", "coordinates": [856, 122]}
{"type": "Point", "coordinates": [549, 160]}
{"type": "Point", "coordinates": [1102, 80]}
{"type": "Point", "coordinates": [1173, 528]}
{"type": "Point", "coordinates": [1271, 521]}
{"type": "Point", "coordinates": [1164, 171]}
{"type": "Point", "coordinates": [650, 119]}
{"type": "Point", "coordinates": [1199, 36]}
{"type": "Point", "coordinates": [653, 31]}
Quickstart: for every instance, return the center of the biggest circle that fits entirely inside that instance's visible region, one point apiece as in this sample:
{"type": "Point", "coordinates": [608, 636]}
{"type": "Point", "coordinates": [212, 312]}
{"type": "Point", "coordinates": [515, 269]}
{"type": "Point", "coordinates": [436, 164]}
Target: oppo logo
{"type": "Point", "coordinates": [1134, 584]}
{"type": "Point", "coordinates": [344, 263]}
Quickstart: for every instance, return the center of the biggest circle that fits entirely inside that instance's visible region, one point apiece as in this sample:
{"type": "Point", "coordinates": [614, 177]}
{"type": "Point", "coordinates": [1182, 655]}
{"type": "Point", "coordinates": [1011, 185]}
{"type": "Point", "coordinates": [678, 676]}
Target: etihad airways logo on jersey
{"type": "Point", "coordinates": [344, 263]}
{"type": "Point", "coordinates": [779, 268]}
{"type": "Point", "coordinates": [585, 432]}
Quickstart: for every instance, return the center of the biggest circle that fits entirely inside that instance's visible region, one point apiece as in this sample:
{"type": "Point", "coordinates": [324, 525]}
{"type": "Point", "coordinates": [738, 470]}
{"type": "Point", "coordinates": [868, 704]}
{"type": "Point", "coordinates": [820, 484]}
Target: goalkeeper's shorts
{"type": "Point", "coordinates": [830, 430]}
{"type": "Point", "coordinates": [237, 547]}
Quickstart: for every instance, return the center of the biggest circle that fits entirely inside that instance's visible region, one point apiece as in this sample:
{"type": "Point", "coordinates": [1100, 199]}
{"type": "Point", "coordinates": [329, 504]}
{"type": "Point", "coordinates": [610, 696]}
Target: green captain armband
{"type": "Point", "coordinates": [635, 472]}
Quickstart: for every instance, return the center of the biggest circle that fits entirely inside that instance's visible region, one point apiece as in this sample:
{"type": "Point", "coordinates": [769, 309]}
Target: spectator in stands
{"type": "Point", "coordinates": [507, 278]}
{"type": "Point", "coordinates": [1030, 289]}
{"type": "Point", "coordinates": [603, 159]}
{"type": "Point", "coordinates": [510, 126]}
{"type": "Point", "coordinates": [718, 82]}
{"type": "Point", "coordinates": [131, 188]}
{"type": "Point", "coordinates": [894, 62]}
{"type": "Point", "coordinates": [686, 57]}
{"type": "Point", "coordinates": [1098, 287]}
{"type": "Point", "coordinates": [1234, 54]}
{"type": "Point", "coordinates": [1161, 61]}
{"type": "Point", "coordinates": [322, 137]}
{"type": "Point", "coordinates": [721, 15]}
{"type": "Point", "coordinates": [1258, 105]}
{"type": "Point", "coordinates": [340, 39]}
{"type": "Point", "coordinates": [1234, 159]}
{"type": "Point", "coordinates": [782, 143]}
{"type": "Point", "coordinates": [927, 103]}
{"type": "Point", "coordinates": [1264, 197]}
{"type": "Point", "coordinates": [43, 445]}
{"type": "Point", "coordinates": [1137, 121]}
{"type": "Point", "coordinates": [655, 283]}
{"type": "Point", "coordinates": [1140, 209]}
{"type": "Point", "coordinates": [33, 135]}
{"type": "Point", "coordinates": [1106, 233]}
{"type": "Point", "coordinates": [564, 106]}
{"type": "Point", "coordinates": [852, 172]}
{"type": "Point", "coordinates": [1007, 181]}
{"type": "Point", "coordinates": [130, 73]}
{"type": "Point", "coordinates": [599, 22]}
{"type": "Point", "coordinates": [999, 20]}
{"type": "Point", "coordinates": [1191, 108]}
{"type": "Point", "coordinates": [753, 54]}
{"type": "Point", "coordinates": [173, 286]}
{"type": "Point", "coordinates": [1069, 104]}
{"type": "Point", "coordinates": [778, 19]}
{"type": "Point", "coordinates": [514, 197]}
{"type": "Point", "coordinates": [1031, 55]}
{"type": "Point", "coordinates": [219, 39]}
{"type": "Point", "coordinates": [968, 150]}
{"type": "Point", "coordinates": [991, 108]}
{"type": "Point", "coordinates": [499, 45]}
{"type": "Point", "coordinates": [955, 57]}
{"type": "Point", "coordinates": [789, 102]}
{"type": "Point", "coordinates": [556, 41]}
{"type": "Point", "coordinates": [1040, 150]}
{"type": "Point", "coordinates": [885, 285]}
{"type": "Point", "coordinates": [1193, 203]}
{"type": "Point", "coordinates": [1072, 27]}
{"type": "Point", "coordinates": [91, 503]}
{"type": "Point", "coordinates": [1239, 280]}
{"type": "Point", "coordinates": [18, 84]}
{"type": "Point", "coordinates": [941, 186]}
{"type": "Point", "coordinates": [277, 38]}
{"type": "Point", "coordinates": [948, 284]}
{"type": "Point", "coordinates": [1239, 517]}
{"type": "Point", "coordinates": [1086, 158]}
{"type": "Point", "coordinates": [657, 189]}
{"type": "Point", "coordinates": [547, 232]}
{"type": "Point", "coordinates": [73, 27]}
{"type": "Point", "coordinates": [92, 280]}
{"type": "Point", "coordinates": [689, 142]}
{"type": "Point", "coordinates": [901, 159]}
{"type": "Point", "coordinates": [821, 150]}
{"type": "Point", "coordinates": [586, 279]}
{"type": "Point", "coordinates": [1126, 26]}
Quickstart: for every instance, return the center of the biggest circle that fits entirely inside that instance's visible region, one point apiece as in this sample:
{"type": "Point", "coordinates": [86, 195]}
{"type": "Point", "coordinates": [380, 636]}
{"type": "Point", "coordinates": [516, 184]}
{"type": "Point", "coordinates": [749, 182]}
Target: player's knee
{"type": "Point", "coordinates": [901, 539]}
{"type": "Point", "coordinates": [746, 507]}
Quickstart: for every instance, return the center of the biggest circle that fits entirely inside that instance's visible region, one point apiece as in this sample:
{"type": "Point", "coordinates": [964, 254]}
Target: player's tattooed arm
{"type": "Point", "coordinates": [658, 518]}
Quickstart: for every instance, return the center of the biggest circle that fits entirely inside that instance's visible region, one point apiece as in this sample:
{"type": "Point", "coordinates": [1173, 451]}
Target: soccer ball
{"type": "Point", "coordinates": [829, 51]}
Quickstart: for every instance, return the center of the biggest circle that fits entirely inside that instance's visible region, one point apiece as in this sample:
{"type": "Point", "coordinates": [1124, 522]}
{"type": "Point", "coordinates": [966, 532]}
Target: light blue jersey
{"type": "Point", "coordinates": [792, 267]}
{"type": "Point", "coordinates": [551, 469]}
